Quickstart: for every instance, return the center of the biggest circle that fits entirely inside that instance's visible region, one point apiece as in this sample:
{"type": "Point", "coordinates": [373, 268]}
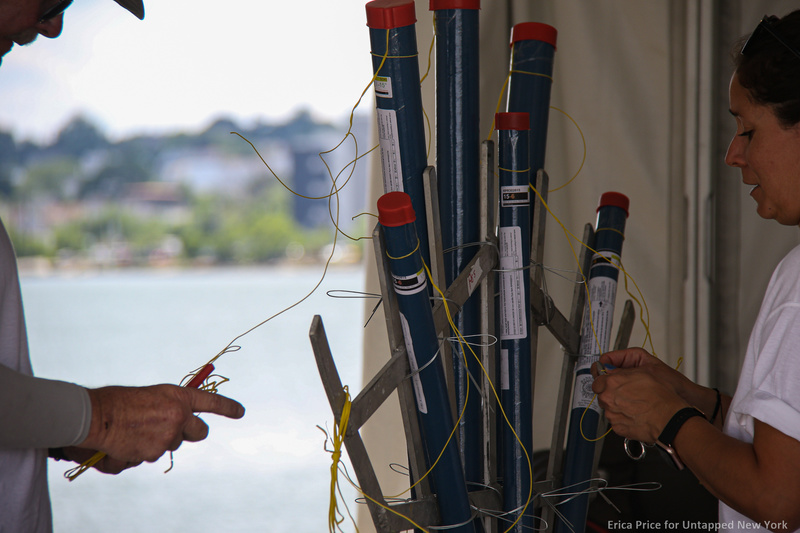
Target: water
{"type": "Point", "coordinates": [265, 473]}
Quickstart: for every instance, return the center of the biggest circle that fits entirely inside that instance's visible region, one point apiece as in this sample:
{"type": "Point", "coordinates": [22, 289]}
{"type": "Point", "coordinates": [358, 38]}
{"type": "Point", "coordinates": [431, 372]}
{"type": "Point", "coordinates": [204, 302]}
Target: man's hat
{"type": "Point", "coordinates": [134, 6]}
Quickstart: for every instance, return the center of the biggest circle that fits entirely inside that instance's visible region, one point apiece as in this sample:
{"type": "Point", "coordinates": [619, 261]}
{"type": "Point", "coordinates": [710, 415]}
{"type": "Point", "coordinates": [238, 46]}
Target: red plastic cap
{"type": "Point", "coordinates": [436, 5]}
{"type": "Point", "coordinates": [394, 209]}
{"type": "Point", "coordinates": [512, 121]}
{"type": "Point", "coordinates": [388, 14]}
{"type": "Point", "coordinates": [615, 199]}
{"type": "Point", "coordinates": [200, 377]}
{"type": "Point", "coordinates": [534, 31]}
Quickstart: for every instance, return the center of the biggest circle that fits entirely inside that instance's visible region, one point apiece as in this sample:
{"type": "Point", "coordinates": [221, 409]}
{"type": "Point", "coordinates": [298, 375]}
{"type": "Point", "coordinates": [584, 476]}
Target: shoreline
{"type": "Point", "coordinates": [39, 267]}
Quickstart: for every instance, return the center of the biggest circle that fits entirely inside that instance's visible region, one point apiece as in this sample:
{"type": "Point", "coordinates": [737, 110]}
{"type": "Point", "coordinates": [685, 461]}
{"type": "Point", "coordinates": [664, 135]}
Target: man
{"type": "Point", "coordinates": [40, 417]}
{"type": "Point", "coordinates": [22, 21]}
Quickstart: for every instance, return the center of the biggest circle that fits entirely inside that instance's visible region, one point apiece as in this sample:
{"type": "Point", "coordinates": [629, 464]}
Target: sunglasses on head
{"type": "Point", "coordinates": [54, 11]}
{"type": "Point", "coordinates": [756, 40]}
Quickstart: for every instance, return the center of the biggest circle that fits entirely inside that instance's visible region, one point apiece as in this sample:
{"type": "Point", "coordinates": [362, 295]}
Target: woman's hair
{"type": "Point", "coordinates": [770, 71]}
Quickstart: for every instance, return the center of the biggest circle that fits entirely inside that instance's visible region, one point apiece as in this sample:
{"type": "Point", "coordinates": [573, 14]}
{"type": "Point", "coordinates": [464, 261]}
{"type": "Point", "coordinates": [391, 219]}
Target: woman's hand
{"type": "Point", "coordinates": [639, 393]}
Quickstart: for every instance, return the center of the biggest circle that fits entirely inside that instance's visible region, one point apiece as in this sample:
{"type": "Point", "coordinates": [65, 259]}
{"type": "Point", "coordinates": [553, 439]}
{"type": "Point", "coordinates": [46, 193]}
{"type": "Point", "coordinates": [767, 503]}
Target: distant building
{"type": "Point", "coordinates": [209, 169]}
{"type": "Point", "coordinates": [313, 179]}
{"type": "Point", "coordinates": [166, 200]}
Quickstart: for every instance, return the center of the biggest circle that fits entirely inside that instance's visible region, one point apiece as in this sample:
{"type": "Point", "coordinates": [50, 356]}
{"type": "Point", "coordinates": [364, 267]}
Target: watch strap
{"type": "Point", "coordinates": [676, 422]}
{"type": "Point", "coordinates": [717, 406]}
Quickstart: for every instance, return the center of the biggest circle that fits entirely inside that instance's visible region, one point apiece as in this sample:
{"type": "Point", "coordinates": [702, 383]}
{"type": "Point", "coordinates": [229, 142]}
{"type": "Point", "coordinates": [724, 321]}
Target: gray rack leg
{"type": "Point", "coordinates": [567, 331]}
{"type": "Point", "coordinates": [436, 267]}
{"type": "Point", "coordinates": [422, 511]}
{"type": "Point", "coordinates": [488, 206]}
{"type": "Point", "coordinates": [542, 183]}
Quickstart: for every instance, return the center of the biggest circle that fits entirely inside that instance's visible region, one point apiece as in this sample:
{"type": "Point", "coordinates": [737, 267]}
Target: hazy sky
{"type": "Point", "coordinates": [187, 63]}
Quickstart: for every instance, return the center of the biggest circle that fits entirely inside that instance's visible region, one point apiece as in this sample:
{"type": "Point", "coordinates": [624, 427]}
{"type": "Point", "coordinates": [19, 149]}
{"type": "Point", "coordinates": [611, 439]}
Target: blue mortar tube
{"type": "Point", "coordinates": [457, 170]}
{"type": "Point", "coordinates": [398, 99]}
{"type": "Point", "coordinates": [533, 47]}
{"type": "Point", "coordinates": [396, 216]}
{"type": "Point", "coordinates": [602, 286]}
{"type": "Point", "coordinates": [513, 327]}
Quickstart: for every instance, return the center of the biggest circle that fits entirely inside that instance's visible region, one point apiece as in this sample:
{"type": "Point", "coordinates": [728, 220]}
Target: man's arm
{"type": "Point", "coordinates": [41, 413]}
{"type": "Point", "coordinates": [129, 424]}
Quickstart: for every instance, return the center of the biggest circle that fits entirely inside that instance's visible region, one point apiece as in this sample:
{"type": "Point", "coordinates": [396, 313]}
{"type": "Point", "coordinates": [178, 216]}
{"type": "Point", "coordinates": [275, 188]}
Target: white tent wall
{"type": "Point", "coordinates": [746, 248]}
{"type": "Point", "coordinates": [647, 84]}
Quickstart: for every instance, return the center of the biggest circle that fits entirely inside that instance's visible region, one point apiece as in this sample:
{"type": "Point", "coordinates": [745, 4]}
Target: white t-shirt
{"type": "Point", "coordinates": [769, 384]}
{"type": "Point", "coordinates": [35, 414]}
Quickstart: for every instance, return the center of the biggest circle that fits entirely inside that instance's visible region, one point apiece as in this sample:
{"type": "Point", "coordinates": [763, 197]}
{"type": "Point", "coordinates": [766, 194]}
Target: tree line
{"type": "Point", "coordinates": [89, 177]}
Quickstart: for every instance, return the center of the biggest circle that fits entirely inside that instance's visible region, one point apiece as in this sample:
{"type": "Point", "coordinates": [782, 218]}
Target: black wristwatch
{"type": "Point", "coordinates": [675, 423]}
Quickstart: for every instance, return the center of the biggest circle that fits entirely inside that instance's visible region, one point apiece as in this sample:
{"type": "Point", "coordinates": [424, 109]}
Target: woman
{"type": "Point", "coordinates": [745, 449]}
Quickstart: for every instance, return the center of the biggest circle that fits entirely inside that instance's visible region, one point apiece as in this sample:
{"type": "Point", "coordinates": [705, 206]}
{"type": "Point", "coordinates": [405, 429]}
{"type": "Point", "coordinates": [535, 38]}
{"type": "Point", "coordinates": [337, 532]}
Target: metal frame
{"type": "Point", "coordinates": [423, 508]}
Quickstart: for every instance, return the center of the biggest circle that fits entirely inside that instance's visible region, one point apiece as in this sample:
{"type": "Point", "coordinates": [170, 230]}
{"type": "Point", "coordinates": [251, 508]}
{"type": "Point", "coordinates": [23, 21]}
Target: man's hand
{"type": "Point", "coordinates": [106, 465]}
{"type": "Point", "coordinates": [136, 424]}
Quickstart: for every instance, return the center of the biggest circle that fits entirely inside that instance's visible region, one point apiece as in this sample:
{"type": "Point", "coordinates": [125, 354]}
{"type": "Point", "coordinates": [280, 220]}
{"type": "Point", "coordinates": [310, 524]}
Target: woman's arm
{"type": "Point", "coordinates": [760, 480]}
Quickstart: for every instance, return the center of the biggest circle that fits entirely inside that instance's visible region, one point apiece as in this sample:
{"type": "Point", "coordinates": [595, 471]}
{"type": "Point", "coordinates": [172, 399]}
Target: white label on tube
{"type": "Point", "coordinates": [514, 195]}
{"type": "Point", "coordinates": [383, 86]}
{"type": "Point", "coordinates": [407, 285]}
{"type": "Point", "coordinates": [584, 396]}
{"type": "Point", "coordinates": [419, 393]}
{"type": "Point", "coordinates": [504, 375]}
{"type": "Point", "coordinates": [513, 321]}
{"type": "Point", "coordinates": [390, 150]}
{"type": "Point", "coordinates": [596, 332]}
